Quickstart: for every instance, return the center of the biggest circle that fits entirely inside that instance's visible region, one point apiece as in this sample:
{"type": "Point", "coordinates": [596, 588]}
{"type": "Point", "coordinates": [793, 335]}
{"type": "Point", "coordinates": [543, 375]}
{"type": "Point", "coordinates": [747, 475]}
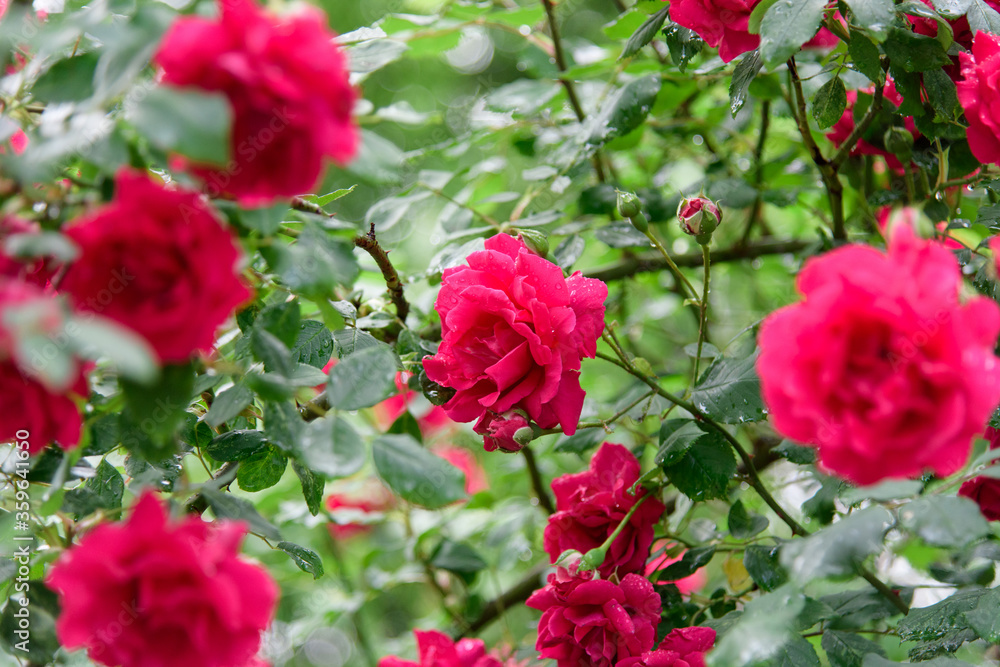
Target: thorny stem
{"type": "Point", "coordinates": [370, 244]}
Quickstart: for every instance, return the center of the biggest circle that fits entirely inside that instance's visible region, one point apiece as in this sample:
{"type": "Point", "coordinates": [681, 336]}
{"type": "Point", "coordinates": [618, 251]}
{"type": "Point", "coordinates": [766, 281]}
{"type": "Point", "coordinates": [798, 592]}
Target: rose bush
{"type": "Point", "coordinates": [273, 278]}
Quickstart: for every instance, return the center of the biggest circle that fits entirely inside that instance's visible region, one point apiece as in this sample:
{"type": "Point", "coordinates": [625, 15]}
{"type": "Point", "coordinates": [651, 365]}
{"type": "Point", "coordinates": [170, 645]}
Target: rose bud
{"type": "Point", "coordinates": [699, 217]}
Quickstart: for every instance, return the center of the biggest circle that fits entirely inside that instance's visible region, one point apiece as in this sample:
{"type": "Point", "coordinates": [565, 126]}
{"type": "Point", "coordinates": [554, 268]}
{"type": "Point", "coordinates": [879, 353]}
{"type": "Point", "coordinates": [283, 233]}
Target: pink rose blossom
{"type": "Point", "coordinates": [595, 622]}
{"type": "Point", "coordinates": [721, 23]}
{"type": "Point", "coordinates": [591, 504]}
{"type": "Point", "coordinates": [287, 84]}
{"type": "Point", "coordinates": [152, 592]}
{"type": "Point", "coordinates": [683, 647]}
{"type": "Point", "coordinates": [498, 430]}
{"type": "Point", "coordinates": [514, 330]}
{"type": "Point", "coordinates": [436, 649]}
{"type": "Point", "coordinates": [881, 366]}
{"type": "Point", "coordinates": [979, 94]}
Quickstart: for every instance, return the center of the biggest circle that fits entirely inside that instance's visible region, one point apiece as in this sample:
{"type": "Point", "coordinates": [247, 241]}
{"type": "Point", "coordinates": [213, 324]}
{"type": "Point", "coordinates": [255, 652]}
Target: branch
{"type": "Point", "coordinates": [536, 481]}
{"type": "Point", "coordinates": [494, 609]}
{"type": "Point", "coordinates": [859, 130]}
{"type": "Point", "coordinates": [648, 262]}
{"type": "Point", "coordinates": [550, 13]}
{"type": "Point", "coordinates": [369, 244]}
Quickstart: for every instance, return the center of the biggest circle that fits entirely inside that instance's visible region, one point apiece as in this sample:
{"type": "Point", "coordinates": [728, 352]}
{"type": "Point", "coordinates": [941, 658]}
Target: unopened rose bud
{"type": "Point", "coordinates": [536, 241]}
{"type": "Point", "coordinates": [629, 205]}
{"type": "Point", "coordinates": [593, 559]}
{"type": "Point", "coordinates": [524, 435]}
{"type": "Point", "coordinates": [699, 217]}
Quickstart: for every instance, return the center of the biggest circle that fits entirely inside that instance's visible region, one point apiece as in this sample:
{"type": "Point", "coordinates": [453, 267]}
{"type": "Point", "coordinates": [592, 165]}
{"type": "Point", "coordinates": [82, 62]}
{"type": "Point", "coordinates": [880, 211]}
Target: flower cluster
{"type": "Point", "coordinates": [513, 332]}
{"type": "Point", "coordinates": [437, 650]}
{"type": "Point", "coordinates": [978, 93]}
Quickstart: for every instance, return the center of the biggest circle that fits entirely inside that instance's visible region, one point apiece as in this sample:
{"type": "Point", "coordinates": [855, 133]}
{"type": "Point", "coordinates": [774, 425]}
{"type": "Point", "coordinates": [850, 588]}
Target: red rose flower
{"type": "Point", "coordinates": [960, 28]}
{"type": "Point", "coordinates": [983, 490]}
{"type": "Point", "coordinates": [513, 332]}
{"type": "Point", "coordinates": [151, 592]}
{"type": "Point", "coordinates": [721, 23]}
{"type": "Point", "coordinates": [591, 504]}
{"type": "Point", "coordinates": [438, 650]}
{"type": "Point", "coordinates": [287, 83]}
{"type": "Point", "coordinates": [683, 647]}
{"type": "Point", "coordinates": [843, 128]}
{"type": "Point", "coordinates": [159, 262]}
{"type": "Point", "coordinates": [881, 366]}
{"type": "Point", "coordinates": [35, 271]}
{"type": "Point", "coordinates": [978, 93]}
{"type": "Point", "coordinates": [48, 416]}
{"type": "Point", "coordinates": [595, 622]}
{"type": "Point", "coordinates": [498, 430]}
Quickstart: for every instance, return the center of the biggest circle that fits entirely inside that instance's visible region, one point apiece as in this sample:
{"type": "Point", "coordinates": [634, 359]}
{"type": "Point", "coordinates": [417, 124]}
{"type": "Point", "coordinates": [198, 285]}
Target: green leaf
{"type": "Point", "coordinates": [872, 660]}
{"type": "Point", "coordinates": [944, 521]}
{"type": "Point", "coordinates": [305, 559]}
{"type": "Point", "coordinates": [683, 43]}
{"type": "Point", "coordinates": [645, 34]}
{"type": "Point", "coordinates": [953, 9]}
{"type": "Point", "coordinates": [764, 566]}
{"type": "Point", "coordinates": [830, 103]}
{"type": "Point", "coordinates": [942, 94]}
{"type": "Point", "coordinates": [323, 200]}
{"type": "Point", "coordinates": [676, 438]}
{"type": "Point", "coordinates": [865, 56]}
{"type": "Point", "coordinates": [693, 560]}
{"type": "Point", "coordinates": [236, 445]}
{"type": "Point", "coordinates": [796, 453]}
{"type": "Point", "coordinates": [761, 631]}
{"type": "Point", "coordinates": [913, 52]}
{"type": "Point", "coordinates": [193, 123]}
{"type": "Point", "coordinates": [984, 618]}
{"type": "Point", "coordinates": [847, 649]}
{"type": "Point", "coordinates": [892, 489]}
{"type": "Point", "coordinates": [312, 487]}
{"type": "Point", "coordinates": [262, 470]}
{"type": "Point", "coordinates": [983, 18]}
{"type": "Point", "coordinates": [705, 470]}
{"type": "Point", "coordinates": [786, 26]}
{"type": "Point", "coordinates": [315, 264]}
{"type": "Point", "coordinates": [228, 404]}
{"type": "Point", "coordinates": [459, 558]}
{"type": "Point", "coordinates": [415, 474]}
{"type": "Point", "coordinates": [40, 643]}
{"type": "Point", "coordinates": [797, 652]}
{"type": "Point", "coordinates": [154, 411]}
{"type": "Point", "coordinates": [746, 71]}
{"type": "Point", "coordinates": [580, 442]}
{"type": "Point", "coordinates": [623, 111]}
{"type": "Point", "coordinates": [313, 345]}
{"type": "Point", "coordinates": [729, 391]}
{"type": "Point", "coordinates": [363, 379]}
{"type": "Point", "coordinates": [266, 347]}
{"type": "Point", "coordinates": [282, 320]}
{"type": "Point", "coordinates": [838, 549]}
{"type": "Point", "coordinates": [283, 425]}
{"type": "Point", "coordinates": [742, 524]}
{"type": "Point", "coordinates": [266, 219]}
{"type": "Point", "coordinates": [102, 491]}
{"type": "Point", "coordinates": [935, 621]}
{"type": "Point", "coordinates": [227, 506]}
{"type": "Point", "coordinates": [874, 15]}
{"type": "Point", "coordinates": [68, 80]}
{"type": "Point", "coordinates": [331, 447]}
{"type": "Point", "coordinates": [96, 337]}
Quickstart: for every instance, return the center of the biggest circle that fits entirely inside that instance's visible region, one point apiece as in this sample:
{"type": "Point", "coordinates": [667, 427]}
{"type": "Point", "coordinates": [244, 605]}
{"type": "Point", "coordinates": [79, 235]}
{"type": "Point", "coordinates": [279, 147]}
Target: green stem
{"type": "Point", "coordinates": [536, 481]}
{"type": "Point", "coordinates": [671, 264]}
{"type": "Point", "coordinates": [703, 322]}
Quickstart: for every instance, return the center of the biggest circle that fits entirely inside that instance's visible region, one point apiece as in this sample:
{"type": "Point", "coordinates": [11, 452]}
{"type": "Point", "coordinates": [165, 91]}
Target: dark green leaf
{"type": "Point", "coordinates": [874, 15]}
{"type": "Point", "coordinates": [744, 525]}
{"type": "Point", "coordinates": [312, 487]}
{"type": "Point", "coordinates": [846, 649]}
{"type": "Point", "coordinates": [227, 506]}
{"type": "Point", "coordinates": [796, 453]}
{"type": "Point", "coordinates": [693, 560]}
{"type": "Point", "coordinates": [705, 470]}
{"type": "Point", "coordinates": [262, 470]}
{"type": "Point", "coordinates": [69, 80]}
{"type": "Point", "coordinates": [942, 94]}
{"type": "Point", "coordinates": [729, 391]}
{"type": "Point", "coordinates": [282, 320]}
{"type": "Point", "coordinates": [228, 404]}
{"type": "Point", "coordinates": [983, 18]}
{"type": "Point", "coordinates": [786, 26]}
{"type": "Point", "coordinates": [683, 43]}
{"type": "Point", "coordinates": [935, 621]}
{"type": "Point", "coordinates": [913, 52]}
{"type": "Point", "coordinates": [746, 71]}
{"type": "Point", "coordinates": [676, 438]}
{"type": "Point", "coordinates": [268, 348]}
{"type": "Point", "coordinates": [459, 558]}
{"type": "Point", "coordinates": [646, 33]}
{"type": "Point", "coordinates": [38, 642]}
{"type": "Point", "coordinates": [282, 425]}
{"type": "Point", "coordinates": [762, 630]}
{"type": "Point", "coordinates": [798, 652]}
{"type": "Point", "coordinates": [580, 442]}
{"type": "Point", "coordinates": [865, 55]}
{"type": "Point", "coordinates": [764, 567]}
{"type": "Point", "coordinates": [313, 345]}
{"type": "Point", "coordinates": [623, 111]}
{"type": "Point", "coordinates": [830, 103]}
{"type": "Point", "coordinates": [363, 379]}
{"type": "Point", "coordinates": [415, 474]}
{"type": "Point", "coordinates": [305, 559]}
{"type": "Point", "coordinates": [235, 445]}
